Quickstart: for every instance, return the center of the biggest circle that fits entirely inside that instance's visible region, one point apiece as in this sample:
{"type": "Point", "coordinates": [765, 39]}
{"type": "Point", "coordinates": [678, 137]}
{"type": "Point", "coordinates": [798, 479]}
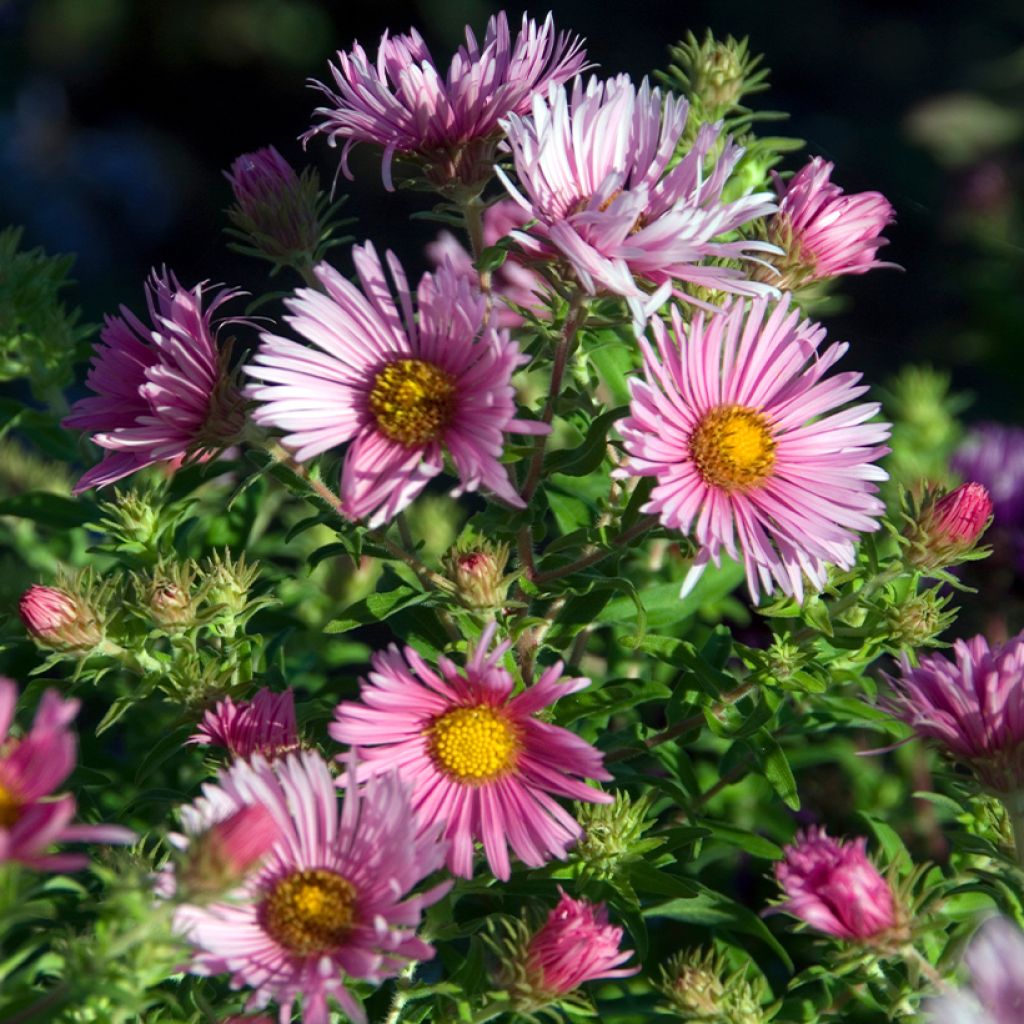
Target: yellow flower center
{"type": "Point", "coordinates": [473, 745]}
{"type": "Point", "coordinates": [310, 911]}
{"type": "Point", "coordinates": [413, 401]}
{"type": "Point", "coordinates": [10, 807]}
{"type": "Point", "coordinates": [733, 448]}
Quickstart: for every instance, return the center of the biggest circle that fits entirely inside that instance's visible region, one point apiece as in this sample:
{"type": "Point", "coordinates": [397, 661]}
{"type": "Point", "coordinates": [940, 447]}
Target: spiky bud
{"type": "Point", "coordinates": [716, 75]}
{"type": "Point", "coordinates": [947, 527]}
{"type": "Point", "coordinates": [477, 568]}
{"type": "Point", "coordinates": [918, 620]}
{"type": "Point", "coordinates": [60, 619]}
{"type": "Point", "coordinates": [613, 834]}
{"type": "Point", "coordinates": [700, 986]}
{"type": "Point", "coordinates": [169, 597]}
{"type": "Point", "coordinates": [227, 583]}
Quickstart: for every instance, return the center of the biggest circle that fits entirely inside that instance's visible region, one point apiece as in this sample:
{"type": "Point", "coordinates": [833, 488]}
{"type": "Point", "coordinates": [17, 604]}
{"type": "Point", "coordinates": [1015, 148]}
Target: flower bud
{"type": "Point", "coordinates": [716, 75]}
{"type": "Point", "coordinates": [478, 572]}
{"type": "Point", "coordinates": [170, 605]}
{"type": "Point", "coordinates": [834, 887]}
{"type": "Point", "coordinates": [59, 619]}
{"type": "Point", "coordinates": [949, 528]}
{"type": "Point", "coordinates": [223, 855]}
{"type": "Point", "coordinates": [276, 210]}
{"type": "Point", "coordinates": [613, 834]}
{"type": "Point", "coordinates": [700, 987]}
{"type": "Point", "coordinates": [918, 620]}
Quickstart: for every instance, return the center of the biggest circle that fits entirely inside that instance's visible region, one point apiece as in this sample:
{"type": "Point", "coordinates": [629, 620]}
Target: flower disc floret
{"type": "Point", "coordinates": [310, 911]}
{"type": "Point", "coordinates": [753, 450]}
{"type": "Point", "coordinates": [412, 400]}
{"type": "Point", "coordinates": [476, 756]}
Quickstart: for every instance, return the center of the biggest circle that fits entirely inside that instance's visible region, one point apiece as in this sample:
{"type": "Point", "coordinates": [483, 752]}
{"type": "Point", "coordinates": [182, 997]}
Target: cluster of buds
{"type": "Point", "coordinates": [944, 529]}
{"type": "Point", "coordinates": [279, 215]}
{"type": "Point", "coordinates": [68, 618]}
{"type": "Point", "coordinates": [613, 834]}
{"type": "Point", "coordinates": [700, 986]}
{"type": "Point", "coordinates": [546, 966]}
{"type": "Point", "coordinates": [477, 569]}
{"type": "Point", "coordinates": [220, 858]}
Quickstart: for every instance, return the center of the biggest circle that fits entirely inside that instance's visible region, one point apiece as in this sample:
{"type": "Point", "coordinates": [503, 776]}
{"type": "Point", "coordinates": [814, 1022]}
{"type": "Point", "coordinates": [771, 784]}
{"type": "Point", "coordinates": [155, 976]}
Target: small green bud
{"type": "Point", "coordinates": [917, 621]}
{"type": "Point", "coordinates": [700, 986]}
{"type": "Point", "coordinates": [477, 568]}
{"type": "Point", "coordinates": [613, 834]}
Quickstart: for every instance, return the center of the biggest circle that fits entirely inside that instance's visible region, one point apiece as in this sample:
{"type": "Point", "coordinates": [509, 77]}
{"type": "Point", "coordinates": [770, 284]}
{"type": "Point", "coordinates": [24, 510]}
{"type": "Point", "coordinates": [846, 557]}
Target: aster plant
{"type": "Point", "coordinates": [516, 629]}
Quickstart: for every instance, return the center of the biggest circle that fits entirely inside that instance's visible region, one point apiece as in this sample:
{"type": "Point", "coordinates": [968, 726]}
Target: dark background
{"type": "Point", "coordinates": [118, 116]}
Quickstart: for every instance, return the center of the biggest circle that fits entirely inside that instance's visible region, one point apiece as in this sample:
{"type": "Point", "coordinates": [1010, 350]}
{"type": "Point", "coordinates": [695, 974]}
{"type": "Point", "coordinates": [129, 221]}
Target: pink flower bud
{"type": "Point", "coordinates": [575, 944]}
{"type": "Point", "coordinates": [479, 575]}
{"type": "Point", "coordinates": [223, 855]}
{"type": "Point", "coordinates": [58, 619]}
{"type": "Point", "coordinates": [834, 887]}
{"type": "Point", "coordinates": [265, 725]}
{"type": "Point", "coordinates": [961, 516]}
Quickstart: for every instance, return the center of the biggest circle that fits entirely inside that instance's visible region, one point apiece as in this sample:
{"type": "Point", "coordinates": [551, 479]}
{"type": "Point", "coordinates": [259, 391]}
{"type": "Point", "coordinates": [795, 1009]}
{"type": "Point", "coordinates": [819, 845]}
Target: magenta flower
{"type": "Point", "coordinates": [833, 887]}
{"type": "Point", "coordinates": [162, 393]}
{"type": "Point", "coordinates": [330, 899]}
{"type": "Point", "coordinates": [575, 944]}
{"type": "Point", "coordinates": [405, 392]}
{"type": "Point", "coordinates": [265, 725]}
{"type": "Point", "coordinates": [276, 208]}
{"type": "Point", "coordinates": [58, 619]}
{"type": "Point", "coordinates": [750, 447]}
{"type": "Point", "coordinates": [593, 168]}
{"type": "Point", "coordinates": [513, 282]}
{"type": "Point", "coordinates": [448, 124]}
{"type": "Point", "coordinates": [973, 706]}
{"type": "Point", "coordinates": [995, 959]}
{"type": "Point", "coordinates": [824, 232]}
{"type": "Point", "coordinates": [476, 759]}
{"type": "Point", "coordinates": [32, 819]}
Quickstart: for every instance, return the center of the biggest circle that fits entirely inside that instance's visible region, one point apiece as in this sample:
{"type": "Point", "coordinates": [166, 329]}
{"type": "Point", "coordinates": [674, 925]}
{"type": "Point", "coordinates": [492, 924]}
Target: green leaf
{"type": "Point", "coordinates": [776, 768]}
{"type": "Point", "coordinates": [755, 845]}
{"type": "Point", "coordinates": [377, 607]}
{"type": "Point", "coordinates": [49, 509]}
{"type": "Point", "coordinates": [648, 879]}
{"type": "Point", "coordinates": [571, 513]}
{"type": "Point", "coordinates": [588, 456]}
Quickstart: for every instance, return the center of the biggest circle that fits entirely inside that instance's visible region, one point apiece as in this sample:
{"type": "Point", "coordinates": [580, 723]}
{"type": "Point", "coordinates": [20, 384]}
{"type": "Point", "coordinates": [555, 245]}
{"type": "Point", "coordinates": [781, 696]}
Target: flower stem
{"type": "Point", "coordinates": [595, 553]}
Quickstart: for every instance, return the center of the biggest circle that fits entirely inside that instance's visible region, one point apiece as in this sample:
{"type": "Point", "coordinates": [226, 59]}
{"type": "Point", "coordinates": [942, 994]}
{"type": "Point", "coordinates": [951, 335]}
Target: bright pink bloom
{"type": "Point", "coordinates": [330, 900]}
{"type": "Point", "coordinates": [265, 725]}
{"type": "Point", "coordinates": [162, 392]}
{"type": "Point", "coordinates": [512, 282]}
{"type": "Point", "coordinates": [451, 125]}
{"type": "Point", "coordinates": [973, 706]}
{"type": "Point", "coordinates": [276, 208]}
{"type": "Point", "coordinates": [593, 168]}
{"type": "Point", "coordinates": [832, 886]}
{"type": "Point", "coordinates": [59, 619]}
{"type": "Point", "coordinates": [575, 944]}
{"type": "Point", "coordinates": [31, 768]}
{"type": "Point", "coordinates": [404, 391]}
{"type": "Point", "coordinates": [824, 232]}
{"type": "Point", "coordinates": [960, 517]}
{"type": "Point", "coordinates": [995, 959]}
{"type": "Point", "coordinates": [477, 760]}
{"type": "Point", "coordinates": [749, 445]}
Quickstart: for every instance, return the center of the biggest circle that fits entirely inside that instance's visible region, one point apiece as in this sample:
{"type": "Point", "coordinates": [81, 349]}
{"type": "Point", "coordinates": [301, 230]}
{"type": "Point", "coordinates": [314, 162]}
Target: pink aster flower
{"type": "Point", "coordinates": [823, 231]}
{"type": "Point", "coordinates": [404, 391]}
{"type": "Point", "coordinates": [972, 706]}
{"type": "Point", "coordinates": [995, 960]}
{"type": "Point", "coordinates": [575, 944]}
{"type": "Point", "coordinates": [32, 819]}
{"type": "Point", "coordinates": [750, 447]}
{"type": "Point", "coordinates": [448, 124]}
{"type": "Point", "coordinates": [476, 757]}
{"type": "Point", "coordinates": [513, 282]}
{"type": "Point", "coordinates": [264, 725]}
{"type": "Point", "coordinates": [834, 887]}
{"type": "Point", "coordinates": [162, 392]}
{"type": "Point", "coordinates": [593, 168]}
{"type": "Point", "coordinates": [330, 900]}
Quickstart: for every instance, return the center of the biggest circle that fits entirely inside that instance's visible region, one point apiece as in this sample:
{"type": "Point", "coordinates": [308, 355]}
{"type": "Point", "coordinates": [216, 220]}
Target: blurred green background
{"type": "Point", "coordinates": [118, 116]}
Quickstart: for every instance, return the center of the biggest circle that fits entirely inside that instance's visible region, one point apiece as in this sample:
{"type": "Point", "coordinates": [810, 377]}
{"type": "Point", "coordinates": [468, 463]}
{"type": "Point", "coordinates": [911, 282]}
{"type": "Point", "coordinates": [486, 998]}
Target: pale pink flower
{"type": "Point", "coordinates": [404, 390]}
{"type": "Point", "coordinates": [972, 706]}
{"type": "Point", "coordinates": [513, 282]}
{"type": "Point", "coordinates": [825, 232]}
{"type": "Point", "coordinates": [995, 959]}
{"type": "Point", "coordinates": [448, 124]}
{"type": "Point", "coordinates": [264, 725]}
{"type": "Point", "coordinates": [593, 168]}
{"type": "Point", "coordinates": [59, 619]}
{"type": "Point", "coordinates": [476, 756]}
{"type": "Point", "coordinates": [329, 902]}
{"type": "Point", "coordinates": [575, 944]}
{"type": "Point", "coordinates": [162, 392]}
{"type": "Point", "coordinates": [834, 887]}
{"type": "Point", "coordinates": [750, 446]}
{"type": "Point", "coordinates": [32, 819]}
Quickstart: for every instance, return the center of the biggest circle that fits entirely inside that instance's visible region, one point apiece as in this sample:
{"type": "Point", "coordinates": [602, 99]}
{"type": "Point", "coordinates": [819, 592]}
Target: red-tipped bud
{"type": "Point", "coordinates": [478, 573]}
{"type": "Point", "coordinates": [947, 529]}
{"type": "Point", "coordinates": [58, 619]}
{"type": "Point", "coordinates": [223, 855]}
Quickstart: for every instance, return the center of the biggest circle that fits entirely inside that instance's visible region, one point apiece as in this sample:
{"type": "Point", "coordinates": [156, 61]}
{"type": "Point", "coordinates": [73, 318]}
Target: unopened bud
{"type": "Point", "coordinates": [170, 605]}
{"type": "Point", "coordinates": [613, 834]}
{"type": "Point", "coordinates": [478, 573]}
{"type": "Point", "coordinates": [917, 621]}
{"type": "Point", "coordinates": [224, 854]}
{"type": "Point", "coordinates": [946, 530]}
{"type": "Point", "coordinates": [716, 75]}
{"type": "Point", "coordinates": [59, 619]}
{"type": "Point", "coordinates": [276, 209]}
{"type": "Point", "coordinates": [228, 582]}
{"type": "Point", "coordinates": [699, 986]}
